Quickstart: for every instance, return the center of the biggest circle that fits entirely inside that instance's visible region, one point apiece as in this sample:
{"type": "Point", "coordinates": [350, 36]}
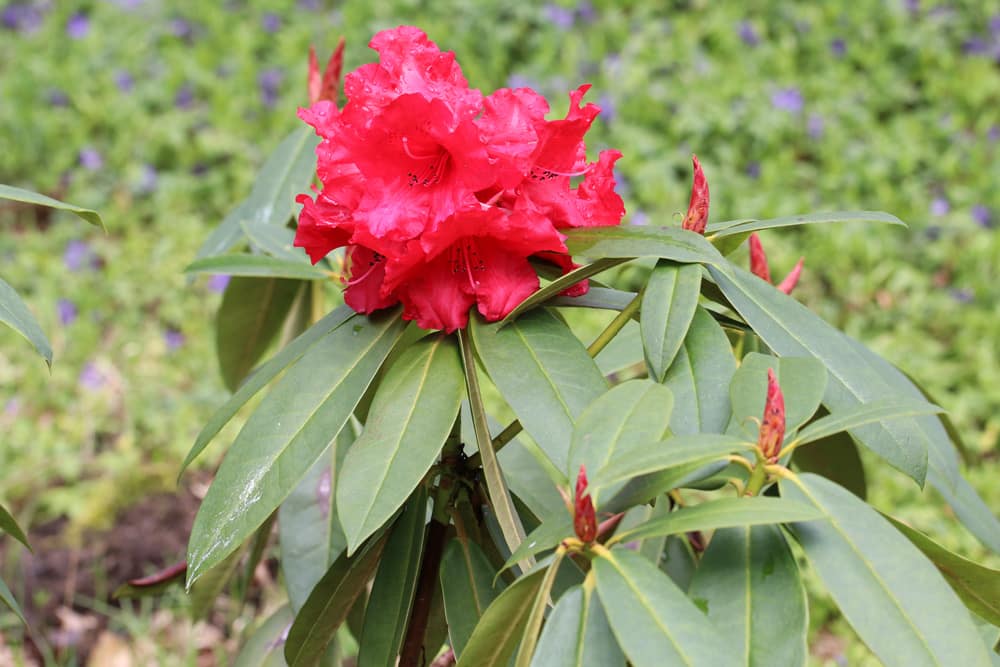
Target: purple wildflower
{"type": "Point", "coordinates": [271, 22]}
{"type": "Point", "coordinates": [940, 207]}
{"type": "Point", "coordinates": [787, 99]}
{"type": "Point", "coordinates": [217, 283]}
{"type": "Point", "coordinates": [962, 295]}
{"type": "Point", "coordinates": [181, 28]}
{"type": "Point", "coordinates": [975, 46]}
{"type": "Point", "coordinates": [838, 47]}
{"type": "Point", "coordinates": [753, 170]}
{"type": "Point", "coordinates": [748, 34]}
{"type": "Point", "coordinates": [309, 5]}
{"type": "Point", "coordinates": [639, 218]}
{"type": "Point", "coordinates": [148, 180]}
{"type": "Point", "coordinates": [521, 81]}
{"type": "Point", "coordinates": [90, 159]}
{"type": "Point", "coordinates": [12, 407]}
{"type": "Point", "coordinates": [23, 18]}
{"type": "Point", "coordinates": [270, 84]}
{"type": "Point", "coordinates": [124, 81]}
{"type": "Point", "coordinates": [995, 25]}
{"type": "Point", "coordinates": [559, 16]}
{"type": "Point", "coordinates": [184, 98]}
{"type": "Point", "coordinates": [67, 311]}
{"type": "Point", "coordinates": [58, 98]}
{"type": "Point", "coordinates": [586, 12]}
{"type": "Point", "coordinates": [609, 110]}
{"type": "Point", "coordinates": [77, 26]}
{"type": "Point", "coordinates": [993, 133]}
{"type": "Point", "coordinates": [982, 216]}
{"type": "Point", "coordinates": [913, 6]}
{"type": "Point", "coordinates": [76, 254]}
{"type": "Point", "coordinates": [815, 125]}
{"type": "Point", "coordinates": [173, 338]}
{"type": "Point", "coordinates": [91, 377]}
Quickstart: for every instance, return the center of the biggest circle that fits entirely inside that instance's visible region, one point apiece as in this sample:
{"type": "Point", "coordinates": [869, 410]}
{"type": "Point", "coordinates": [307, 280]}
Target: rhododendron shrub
{"type": "Point", "coordinates": [455, 475]}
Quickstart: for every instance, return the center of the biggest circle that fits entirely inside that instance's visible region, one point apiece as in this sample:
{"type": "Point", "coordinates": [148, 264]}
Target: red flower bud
{"type": "Point", "coordinates": [788, 284]}
{"type": "Point", "coordinates": [772, 426]}
{"type": "Point", "coordinates": [697, 215]}
{"type": "Point", "coordinates": [758, 259]}
{"type": "Point", "coordinates": [584, 518]}
{"type": "Point", "coordinates": [325, 88]}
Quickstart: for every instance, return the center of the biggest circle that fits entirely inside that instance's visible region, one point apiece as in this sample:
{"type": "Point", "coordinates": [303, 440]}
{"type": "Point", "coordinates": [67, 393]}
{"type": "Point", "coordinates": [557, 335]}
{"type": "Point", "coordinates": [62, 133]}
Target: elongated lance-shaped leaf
{"type": "Point", "coordinates": [802, 380]}
{"type": "Point", "coordinates": [655, 623]}
{"type": "Point", "coordinates": [29, 197]}
{"type": "Point", "coordinates": [503, 505]}
{"type": "Point", "coordinates": [577, 633]}
{"type": "Point", "coordinates": [722, 513]}
{"type": "Point", "coordinates": [668, 306]}
{"type": "Point", "coordinates": [868, 413]}
{"type": "Point", "coordinates": [413, 412]}
{"type": "Point", "coordinates": [626, 417]}
{"type": "Point", "coordinates": [603, 298]}
{"type": "Point", "coordinates": [227, 234]}
{"type": "Point", "coordinates": [496, 635]}
{"type": "Point", "coordinates": [395, 585]}
{"type": "Point", "coordinates": [835, 457]}
{"type": "Point", "coordinates": [329, 603]}
{"type": "Point", "coordinates": [731, 227]}
{"type": "Point", "coordinates": [749, 585]}
{"type": "Point", "coordinates": [206, 590]}
{"type": "Point", "coordinates": [560, 284]}
{"type": "Point", "coordinates": [265, 645]}
{"type": "Point", "coordinates": [625, 241]}
{"type": "Point", "coordinates": [553, 530]}
{"type": "Point", "coordinates": [469, 585]}
{"type": "Point", "coordinates": [978, 586]}
{"type": "Point", "coordinates": [534, 623]}
{"type": "Point", "coordinates": [790, 329]}
{"type": "Point", "coordinates": [9, 526]}
{"type": "Point", "coordinates": [15, 314]}
{"type": "Point", "coordinates": [264, 374]}
{"type": "Point", "coordinates": [261, 266]}
{"type": "Point", "coordinates": [699, 378]}
{"type": "Point", "coordinates": [8, 599]}
{"type": "Point", "coordinates": [895, 599]}
{"type": "Point", "coordinates": [543, 371]}
{"type": "Point", "coordinates": [288, 432]}
{"type": "Point", "coordinates": [277, 241]}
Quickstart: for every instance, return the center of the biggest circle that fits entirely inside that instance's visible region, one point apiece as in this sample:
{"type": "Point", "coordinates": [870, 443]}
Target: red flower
{"type": "Point", "coordinates": [440, 195]}
{"type": "Point", "coordinates": [759, 267]}
{"type": "Point", "coordinates": [772, 426]}
{"type": "Point", "coordinates": [584, 517]}
{"type": "Point", "coordinates": [325, 87]}
{"type": "Point", "coordinates": [697, 214]}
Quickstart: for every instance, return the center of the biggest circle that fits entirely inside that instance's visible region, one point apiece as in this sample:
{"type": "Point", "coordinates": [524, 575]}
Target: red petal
{"type": "Point", "coordinates": [697, 214]}
{"type": "Point", "coordinates": [322, 227]}
{"type": "Point", "coordinates": [600, 205]}
{"type": "Point", "coordinates": [758, 259]}
{"type": "Point", "coordinates": [367, 271]}
{"type": "Point", "coordinates": [436, 298]}
{"type": "Point", "coordinates": [792, 279]}
{"type": "Point", "coordinates": [584, 517]}
{"type": "Point", "coordinates": [507, 281]}
{"type": "Point", "coordinates": [772, 426]}
{"type": "Point", "coordinates": [331, 75]}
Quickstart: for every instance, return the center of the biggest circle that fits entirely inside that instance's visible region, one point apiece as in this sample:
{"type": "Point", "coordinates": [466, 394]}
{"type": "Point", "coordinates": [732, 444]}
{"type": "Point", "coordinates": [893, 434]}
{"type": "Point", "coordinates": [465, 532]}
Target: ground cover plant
{"type": "Point", "coordinates": [120, 396]}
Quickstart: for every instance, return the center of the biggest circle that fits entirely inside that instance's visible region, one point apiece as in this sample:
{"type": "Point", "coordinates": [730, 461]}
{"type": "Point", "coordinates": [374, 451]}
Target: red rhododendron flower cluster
{"type": "Point", "coordinates": [441, 194]}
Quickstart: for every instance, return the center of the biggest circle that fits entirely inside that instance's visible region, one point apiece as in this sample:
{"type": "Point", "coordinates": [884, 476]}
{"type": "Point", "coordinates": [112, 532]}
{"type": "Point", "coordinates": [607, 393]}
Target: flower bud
{"type": "Point", "coordinates": [325, 87]}
{"type": "Point", "coordinates": [584, 518]}
{"type": "Point", "coordinates": [792, 279]}
{"type": "Point", "coordinates": [758, 259]}
{"type": "Point", "coordinates": [772, 426]}
{"type": "Point", "coordinates": [697, 214]}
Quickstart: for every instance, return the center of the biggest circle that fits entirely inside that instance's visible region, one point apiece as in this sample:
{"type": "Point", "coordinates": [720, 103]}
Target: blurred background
{"type": "Point", "coordinates": [159, 113]}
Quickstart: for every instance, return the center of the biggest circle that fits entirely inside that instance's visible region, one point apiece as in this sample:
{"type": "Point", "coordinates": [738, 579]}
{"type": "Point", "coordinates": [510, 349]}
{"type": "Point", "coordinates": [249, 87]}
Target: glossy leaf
{"type": "Point", "coordinates": [15, 314]}
{"type": "Point", "coordinates": [277, 241]}
{"type": "Point", "coordinates": [206, 590]}
{"type": "Point", "coordinates": [261, 266]}
{"type": "Point", "coordinates": [699, 378]}
{"type": "Point", "coordinates": [533, 625]}
{"type": "Point", "coordinates": [29, 197]}
{"type": "Point", "coordinates": [8, 599]}
{"type": "Point", "coordinates": [577, 634]}
{"type": "Point", "coordinates": [560, 284]}
{"type": "Point", "coordinates": [627, 241]}
{"type": "Point", "coordinates": [495, 637]}
{"type": "Point", "coordinates": [394, 586]}
{"type": "Point", "coordinates": [678, 559]}
{"type": "Point", "coordinates": [266, 643]}
{"type": "Point", "coordinates": [749, 585]}
{"type": "Point", "coordinates": [250, 316]}
{"type": "Point", "coordinates": [288, 432]}
{"type": "Point", "coordinates": [835, 457]}
{"type": "Point", "coordinates": [9, 526]}
{"type": "Point", "coordinates": [728, 228]}
{"type": "Point", "coordinates": [976, 585]}
{"type": "Point", "coordinates": [596, 297]}
{"type": "Point", "coordinates": [286, 173]}
{"type": "Point", "coordinates": [226, 235]}
{"type": "Point", "coordinates": [469, 584]}
{"type": "Point", "coordinates": [547, 535]}
{"type": "Point", "coordinates": [543, 371]}
{"type": "Point", "coordinates": [895, 599]}
{"type": "Point", "coordinates": [626, 417]}
{"type": "Point", "coordinates": [654, 622]}
{"type": "Point", "coordinates": [876, 411]}
{"type": "Point", "coordinates": [802, 380]}
{"type": "Point", "coordinates": [722, 513]}
{"type": "Point", "coordinates": [411, 416]}
{"type": "Point", "coordinates": [329, 603]}
{"type": "Point", "coordinates": [668, 306]}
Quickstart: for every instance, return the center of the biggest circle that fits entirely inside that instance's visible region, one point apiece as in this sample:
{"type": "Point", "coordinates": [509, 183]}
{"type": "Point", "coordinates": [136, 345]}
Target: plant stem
{"type": "Point", "coordinates": [413, 644]}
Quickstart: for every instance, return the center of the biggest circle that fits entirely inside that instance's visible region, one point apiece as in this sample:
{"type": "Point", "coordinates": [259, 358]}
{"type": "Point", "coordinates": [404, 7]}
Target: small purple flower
{"type": "Point", "coordinates": [67, 311]}
{"type": "Point", "coordinates": [12, 407]}
{"type": "Point", "coordinates": [639, 218]}
{"type": "Point", "coordinates": [586, 12]}
{"type": "Point", "coordinates": [181, 28]}
{"type": "Point", "coordinates": [91, 377]}
{"type": "Point", "coordinates": [217, 283]}
{"type": "Point", "coordinates": [77, 26]}
{"type": "Point", "coordinates": [609, 110]}
{"type": "Point", "coordinates": [993, 133]}
{"type": "Point", "coordinates": [90, 159]}
{"type": "Point", "coordinates": [124, 81]}
{"type": "Point", "coordinates": [76, 254]}
{"type": "Point", "coordinates": [976, 46]}
{"type": "Point", "coordinates": [748, 34]}
{"type": "Point", "coordinates": [559, 16]}
{"type": "Point", "coordinates": [184, 98]}
{"type": "Point", "coordinates": [962, 295]}
{"type": "Point", "coordinates": [788, 100]}
{"type": "Point", "coordinates": [173, 338]}
{"type": "Point", "coordinates": [982, 216]}
{"type": "Point", "coordinates": [148, 180]}
{"type": "Point", "coordinates": [838, 47]}
{"type": "Point", "coordinates": [753, 170]}
{"type": "Point", "coordinates": [58, 98]}
{"type": "Point", "coordinates": [271, 22]}
{"type": "Point", "coordinates": [270, 84]}
{"type": "Point", "coordinates": [23, 18]}
{"type": "Point", "coordinates": [912, 6]}
{"type": "Point", "coordinates": [995, 25]}
{"type": "Point", "coordinates": [940, 207]}
{"type": "Point", "coordinates": [521, 81]}
{"type": "Point", "coordinates": [815, 125]}
{"type": "Point", "coordinates": [309, 5]}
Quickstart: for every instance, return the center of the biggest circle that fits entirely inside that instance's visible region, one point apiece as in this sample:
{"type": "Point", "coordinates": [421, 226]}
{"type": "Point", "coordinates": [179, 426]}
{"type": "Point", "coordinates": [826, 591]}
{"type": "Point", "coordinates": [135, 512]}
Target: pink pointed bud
{"type": "Point", "coordinates": [315, 82]}
{"type": "Point", "coordinates": [772, 426]}
{"type": "Point", "coordinates": [758, 259]}
{"type": "Point", "coordinates": [792, 279]}
{"type": "Point", "coordinates": [697, 215]}
{"type": "Point", "coordinates": [584, 518]}
{"type": "Point", "coordinates": [327, 86]}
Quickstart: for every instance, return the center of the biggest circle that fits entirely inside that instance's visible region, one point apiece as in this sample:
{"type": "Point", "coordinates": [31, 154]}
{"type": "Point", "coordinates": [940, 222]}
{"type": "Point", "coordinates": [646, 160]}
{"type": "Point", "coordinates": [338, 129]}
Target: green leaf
{"type": "Point", "coordinates": [790, 329]}
{"type": "Point", "coordinates": [9, 526]}
{"type": "Point", "coordinates": [559, 284]}
{"type": "Point", "coordinates": [596, 297]}
{"type": "Point", "coordinates": [699, 378]}
{"type": "Point", "coordinates": [495, 637]}
{"type": "Point", "coordinates": [802, 381]}
{"type": "Point", "coordinates": [467, 583]}
{"type": "Point", "coordinates": [626, 417]}
{"type": "Point", "coordinates": [543, 371]}
{"type": "Point", "coordinates": [655, 623]}
{"type": "Point", "coordinates": [577, 634]}
{"type": "Point", "coordinates": [749, 585]}
{"type": "Point", "coordinates": [678, 559]}
{"type": "Point", "coordinates": [260, 266]}
{"type": "Point", "coordinates": [533, 625]}
{"type": "Point", "coordinates": [288, 432]}
{"type": "Point", "coordinates": [275, 240]}
{"type": "Point", "coordinates": [887, 590]}
{"type": "Point", "coordinates": [394, 587]}
{"type": "Point", "coordinates": [976, 585]}
{"type": "Point", "coordinates": [835, 457]}
{"type": "Point", "coordinates": [329, 603]}
{"type": "Point", "coordinates": [15, 314]}
{"type": "Point", "coordinates": [8, 599]}
{"type": "Point", "coordinates": [264, 646]}
{"type": "Point", "coordinates": [152, 585]}
{"type": "Point", "coordinates": [286, 173]}
{"type": "Point", "coordinates": [206, 590]}
{"type": "Point", "coordinates": [250, 316]}
{"type": "Point", "coordinates": [226, 235]}
{"type": "Point", "coordinates": [545, 536]}
{"type": "Point", "coordinates": [625, 241]}
{"type": "Point", "coordinates": [264, 374]}
{"type": "Point", "coordinates": [29, 197]}
{"type": "Point", "coordinates": [412, 414]}
{"type": "Point", "coordinates": [668, 306]}
{"type": "Point", "coordinates": [721, 513]}
{"type": "Point", "coordinates": [876, 411]}
{"type": "Point", "coordinates": [722, 229]}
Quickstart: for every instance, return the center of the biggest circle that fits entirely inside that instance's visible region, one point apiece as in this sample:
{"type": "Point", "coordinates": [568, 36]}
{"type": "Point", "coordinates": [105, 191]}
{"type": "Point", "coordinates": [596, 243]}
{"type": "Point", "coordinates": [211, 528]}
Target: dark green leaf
{"type": "Point", "coordinates": [29, 197]}
{"type": "Point", "coordinates": [545, 536]}
{"type": "Point", "coordinates": [8, 599]}
{"type": "Point", "coordinates": [802, 381]}
{"type": "Point", "coordinates": [467, 582]}
{"type": "Point", "coordinates": [329, 603]}
{"type": "Point", "coordinates": [577, 634]}
{"type": "Point", "coordinates": [9, 526]}
{"type": "Point", "coordinates": [728, 228]}
{"type": "Point", "coordinates": [495, 637]}
{"type": "Point", "coordinates": [533, 625]}
{"type": "Point", "coordinates": [286, 173]}
{"type": "Point", "coordinates": [261, 266]}
{"type": "Point", "coordinates": [264, 647]}
{"type": "Point", "coordinates": [15, 314]}
{"type": "Point", "coordinates": [673, 243]}
{"type": "Point", "coordinates": [275, 240]}
{"type": "Point", "coordinates": [678, 559]}
{"type": "Point", "coordinates": [412, 414]}
{"type": "Point", "coordinates": [668, 306]}
{"type": "Point", "coordinates": [655, 623]}
{"type": "Point", "coordinates": [288, 432]}
{"type": "Point", "coordinates": [895, 599]}
{"type": "Point", "coordinates": [206, 590]}
{"type": "Point", "coordinates": [596, 297]}
{"type": "Point", "coordinates": [395, 584]}
{"type": "Point", "coordinates": [867, 413]}
{"type": "Point", "coordinates": [749, 585]}
{"type": "Point", "coordinates": [559, 284]}
{"type": "Point", "coordinates": [226, 235]}
{"type": "Point", "coordinates": [835, 457]}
